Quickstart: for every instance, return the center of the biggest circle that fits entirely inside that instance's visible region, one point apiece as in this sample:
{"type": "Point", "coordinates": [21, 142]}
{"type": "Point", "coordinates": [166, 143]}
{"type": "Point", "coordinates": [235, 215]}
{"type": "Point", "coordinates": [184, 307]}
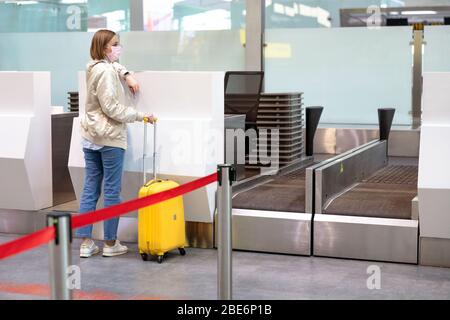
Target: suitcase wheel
{"type": "Point", "coordinates": [160, 259]}
{"type": "Point", "coordinates": [182, 251]}
{"type": "Point", "coordinates": [144, 256]}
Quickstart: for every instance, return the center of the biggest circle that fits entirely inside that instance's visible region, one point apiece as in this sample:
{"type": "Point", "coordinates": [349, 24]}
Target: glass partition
{"type": "Point", "coordinates": [61, 53]}
{"type": "Point", "coordinates": [437, 49]}
{"type": "Point", "coordinates": [66, 53]}
{"type": "Point", "coordinates": [55, 36]}
{"type": "Point", "coordinates": [351, 72]}
{"type": "Point", "coordinates": [184, 51]}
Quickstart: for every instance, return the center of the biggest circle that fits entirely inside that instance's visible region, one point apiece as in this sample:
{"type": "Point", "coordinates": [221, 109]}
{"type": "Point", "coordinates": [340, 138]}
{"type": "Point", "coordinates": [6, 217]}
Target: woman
{"type": "Point", "coordinates": [104, 137]}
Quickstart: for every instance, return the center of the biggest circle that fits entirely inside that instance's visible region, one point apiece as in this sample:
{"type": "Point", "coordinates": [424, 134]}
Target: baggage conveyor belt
{"type": "Point", "coordinates": [386, 194]}
{"type": "Point", "coordinates": [284, 193]}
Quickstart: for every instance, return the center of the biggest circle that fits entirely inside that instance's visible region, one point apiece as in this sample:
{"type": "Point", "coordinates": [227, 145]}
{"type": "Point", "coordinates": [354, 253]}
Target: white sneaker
{"type": "Point", "coordinates": [116, 250]}
{"type": "Point", "coordinates": [88, 249]}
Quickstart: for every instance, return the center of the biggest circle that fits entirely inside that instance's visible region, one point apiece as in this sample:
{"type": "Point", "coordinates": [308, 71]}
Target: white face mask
{"type": "Point", "coordinates": [114, 55]}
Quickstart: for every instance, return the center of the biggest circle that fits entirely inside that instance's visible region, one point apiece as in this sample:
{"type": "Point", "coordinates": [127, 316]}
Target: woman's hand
{"type": "Point", "coordinates": [150, 119]}
{"type": "Point", "coordinates": [132, 84]}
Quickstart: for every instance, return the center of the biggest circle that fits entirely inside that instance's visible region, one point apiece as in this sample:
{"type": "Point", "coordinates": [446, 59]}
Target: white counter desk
{"type": "Point", "coordinates": [25, 141]}
{"type": "Point", "coordinates": [434, 171]}
{"type": "Point", "coordinates": [190, 141]}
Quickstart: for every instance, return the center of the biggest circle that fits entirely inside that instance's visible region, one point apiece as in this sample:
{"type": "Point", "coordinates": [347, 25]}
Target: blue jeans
{"type": "Point", "coordinates": [103, 164]}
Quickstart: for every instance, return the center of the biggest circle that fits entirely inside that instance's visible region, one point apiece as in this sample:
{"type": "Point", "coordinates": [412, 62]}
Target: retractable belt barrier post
{"type": "Point", "coordinates": [226, 174]}
{"type": "Point", "coordinates": [60, 255]}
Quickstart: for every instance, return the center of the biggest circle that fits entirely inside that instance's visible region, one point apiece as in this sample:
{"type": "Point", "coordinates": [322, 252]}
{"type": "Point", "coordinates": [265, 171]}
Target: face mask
{"type": "Point", "coordinates": [114, 55]}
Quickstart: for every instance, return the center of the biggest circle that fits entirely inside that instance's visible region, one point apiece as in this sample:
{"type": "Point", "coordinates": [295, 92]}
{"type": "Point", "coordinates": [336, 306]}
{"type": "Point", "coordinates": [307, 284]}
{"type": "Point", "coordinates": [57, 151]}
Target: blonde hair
{"type": "Point", "coordinates": [99, 42]}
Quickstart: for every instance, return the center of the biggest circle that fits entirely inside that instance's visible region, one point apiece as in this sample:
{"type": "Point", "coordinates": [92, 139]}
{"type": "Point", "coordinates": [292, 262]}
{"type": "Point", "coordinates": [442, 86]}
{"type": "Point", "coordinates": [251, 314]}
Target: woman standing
{"type": "Point", "coordinates": [104, 137]}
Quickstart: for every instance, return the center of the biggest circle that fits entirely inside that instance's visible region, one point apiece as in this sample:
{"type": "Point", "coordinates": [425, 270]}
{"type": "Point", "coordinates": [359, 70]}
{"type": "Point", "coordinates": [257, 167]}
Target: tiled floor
{"type": "Point", "coordinates": [256, 276]}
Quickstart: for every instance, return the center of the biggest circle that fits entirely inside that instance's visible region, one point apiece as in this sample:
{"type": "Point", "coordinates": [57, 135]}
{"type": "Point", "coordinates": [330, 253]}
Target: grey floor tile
{"type": "Point", "coordinates": [194, 276]}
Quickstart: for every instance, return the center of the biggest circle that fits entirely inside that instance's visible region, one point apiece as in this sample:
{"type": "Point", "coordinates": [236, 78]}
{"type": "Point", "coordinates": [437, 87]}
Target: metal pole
{"type": "Point", "coordinates": [254, 35]}
{"type": "Point", "coordinates": [226, 175]}
{"type": "Point", "coordinates": [417, 78]}
{"type": "Point", "coordinates": [59, 255]}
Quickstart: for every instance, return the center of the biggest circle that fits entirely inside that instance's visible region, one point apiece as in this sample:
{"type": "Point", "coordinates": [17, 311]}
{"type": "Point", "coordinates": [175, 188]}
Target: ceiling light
{"type": "Point", "coordinates": [73, 1]}
{"type": "Point", "coordinates": [418, 12]}
{"type": "Point", "coordinates": [22, 2]}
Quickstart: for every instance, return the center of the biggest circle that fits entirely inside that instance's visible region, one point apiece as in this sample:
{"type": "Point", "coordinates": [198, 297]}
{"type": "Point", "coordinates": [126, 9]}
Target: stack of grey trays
{"type": "Point", "coordinates": [73, 101]}
{"type": "Point", "coordinates": [282, 112]}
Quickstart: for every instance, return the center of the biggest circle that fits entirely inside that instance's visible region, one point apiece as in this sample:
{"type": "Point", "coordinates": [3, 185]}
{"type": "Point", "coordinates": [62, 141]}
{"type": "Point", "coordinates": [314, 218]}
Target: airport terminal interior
{"type": "Point", "coordinates": [308, 140]}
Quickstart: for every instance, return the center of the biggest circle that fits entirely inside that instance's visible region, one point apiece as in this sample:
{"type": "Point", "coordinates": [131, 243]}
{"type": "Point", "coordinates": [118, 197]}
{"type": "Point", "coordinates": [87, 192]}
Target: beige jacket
{"type": "Point", "coordinates": [105, 117]}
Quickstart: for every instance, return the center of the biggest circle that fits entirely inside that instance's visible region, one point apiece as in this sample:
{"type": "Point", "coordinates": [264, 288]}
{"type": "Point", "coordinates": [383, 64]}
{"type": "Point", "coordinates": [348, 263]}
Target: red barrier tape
{"type": "Point", "coordinates": [85, 219]}
{"type": "Point", "coordinates": [27, 242]}
{"type": "Point", "coordinates": [45, 235]}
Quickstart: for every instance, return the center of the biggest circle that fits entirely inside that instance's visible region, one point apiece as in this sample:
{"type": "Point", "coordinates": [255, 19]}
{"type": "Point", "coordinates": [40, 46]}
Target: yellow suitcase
{"type": "Point", "coordinates": [161, 227]}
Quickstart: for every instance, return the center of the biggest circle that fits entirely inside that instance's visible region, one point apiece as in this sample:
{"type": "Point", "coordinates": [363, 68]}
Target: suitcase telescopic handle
{"type": "Point", "coordinates": [144, 156]}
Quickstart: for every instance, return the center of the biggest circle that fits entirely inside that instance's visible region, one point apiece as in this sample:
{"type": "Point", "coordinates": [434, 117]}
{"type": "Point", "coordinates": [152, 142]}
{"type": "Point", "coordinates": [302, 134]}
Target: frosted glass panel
{"type": "Point", "coordinates": [351, 72]}
{"type": "Point", "coordinates": [63, 54]}
{"type": "Point", "coordinates": [183, 51]}
{"type": "Point", "coordinates": [437, 49]}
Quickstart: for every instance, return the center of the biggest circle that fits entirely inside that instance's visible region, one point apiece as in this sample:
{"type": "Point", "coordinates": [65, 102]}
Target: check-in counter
{"type": "Point", "coordinates": [434, 171]}
{"type": "Point", "coordinates": [25, 135]}
{"type": "Point", "coordinates": [190, 142]}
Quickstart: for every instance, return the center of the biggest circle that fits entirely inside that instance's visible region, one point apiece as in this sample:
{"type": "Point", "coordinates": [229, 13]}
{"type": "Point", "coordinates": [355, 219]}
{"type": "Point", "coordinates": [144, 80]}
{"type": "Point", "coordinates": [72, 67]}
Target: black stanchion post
{"type": "Point", "coordinates": [59, 255]}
